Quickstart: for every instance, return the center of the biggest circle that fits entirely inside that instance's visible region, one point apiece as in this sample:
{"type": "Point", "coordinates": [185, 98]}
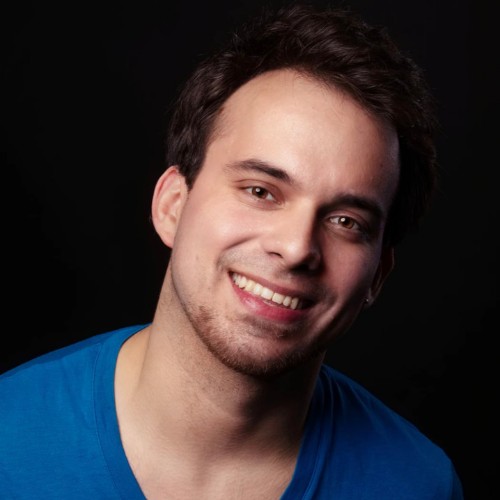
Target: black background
{"type": "Point", "coordinates": [87, 89]}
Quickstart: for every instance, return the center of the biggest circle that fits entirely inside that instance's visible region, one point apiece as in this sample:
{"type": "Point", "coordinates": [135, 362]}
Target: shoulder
{"type": "Point", "coordinates": [69, 359]}
{"type": "Point", "coordinates": [49, 411]}
{"type": "Point", "coordinates": [367, 417]}
{"type": "Point", "coordinates": [47, 388]}
{"type": "Point", "coordinates": [379, 442]}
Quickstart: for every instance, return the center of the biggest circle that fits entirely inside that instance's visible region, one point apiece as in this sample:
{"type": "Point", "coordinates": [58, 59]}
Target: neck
{"type": "Point", "coordinates": [175, 399]}
{"type": "Point", "coordinates": [180, 396]}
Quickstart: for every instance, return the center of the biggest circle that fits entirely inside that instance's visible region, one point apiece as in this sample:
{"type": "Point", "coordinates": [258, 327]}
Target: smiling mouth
{"type": "Point", "coordinates": [266, 293]}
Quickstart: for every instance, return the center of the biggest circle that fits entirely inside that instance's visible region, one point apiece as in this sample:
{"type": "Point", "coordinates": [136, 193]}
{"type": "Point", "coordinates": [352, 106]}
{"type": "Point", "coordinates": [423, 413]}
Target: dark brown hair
{"type": "Point", "coordinates": [338, 48]}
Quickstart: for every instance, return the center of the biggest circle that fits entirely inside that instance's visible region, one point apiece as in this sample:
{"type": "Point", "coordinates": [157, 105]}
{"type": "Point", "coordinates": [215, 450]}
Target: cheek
{"type": "Point", "coordinates": [353, 270]}
{"type": "Point", "coordinates": [209, 227]}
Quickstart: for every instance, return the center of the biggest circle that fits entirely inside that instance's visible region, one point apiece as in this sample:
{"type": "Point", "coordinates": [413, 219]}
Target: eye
{"type": "Point", "coordinates": [345, 222]}
{"type": "Point", "coordinates": [260, 192]}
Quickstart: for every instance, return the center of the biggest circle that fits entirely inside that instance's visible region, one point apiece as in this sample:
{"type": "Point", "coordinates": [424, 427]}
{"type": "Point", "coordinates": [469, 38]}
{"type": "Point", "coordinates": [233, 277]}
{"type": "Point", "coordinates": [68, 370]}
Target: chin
{"type": "Point", "coordinates": [254, 348]}
{"type": "Point", "coordinates": [273, 368]}
{"type": "Point", "coordinates": [260, 358]}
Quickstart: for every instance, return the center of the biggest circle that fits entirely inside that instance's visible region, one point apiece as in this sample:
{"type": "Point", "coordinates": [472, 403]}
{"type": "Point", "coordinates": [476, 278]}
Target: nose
{"type": "Point", "coordinates": [294, 239]}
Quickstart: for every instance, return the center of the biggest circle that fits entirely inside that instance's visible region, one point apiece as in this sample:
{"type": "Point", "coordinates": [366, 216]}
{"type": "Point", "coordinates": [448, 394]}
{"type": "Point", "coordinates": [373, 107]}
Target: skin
{"type": "Point", "coordinates": [293, 194]}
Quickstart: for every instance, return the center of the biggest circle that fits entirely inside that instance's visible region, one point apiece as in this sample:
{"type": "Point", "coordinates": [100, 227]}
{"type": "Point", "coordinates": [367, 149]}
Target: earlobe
{"type": "Point", "coordinates": [168, 200]}
{"type": "Point", "coordinates": [385, 267]}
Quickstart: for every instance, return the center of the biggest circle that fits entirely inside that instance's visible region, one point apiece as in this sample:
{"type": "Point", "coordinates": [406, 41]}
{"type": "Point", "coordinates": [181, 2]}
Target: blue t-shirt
{"type": "Point", "coordinates": [59, 437]}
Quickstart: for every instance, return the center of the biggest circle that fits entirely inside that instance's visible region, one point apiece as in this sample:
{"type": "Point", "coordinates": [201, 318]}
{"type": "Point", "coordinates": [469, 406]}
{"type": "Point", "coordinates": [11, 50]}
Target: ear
{"type": "Point", "coordinates": [169, 197]}
{"type": "Point", "coordinates": [385, 266]}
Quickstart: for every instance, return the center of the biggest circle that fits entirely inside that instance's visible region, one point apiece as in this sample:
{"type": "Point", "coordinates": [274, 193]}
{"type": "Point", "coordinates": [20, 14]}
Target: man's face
{"type": "Point", "coordinates": [279, 241]}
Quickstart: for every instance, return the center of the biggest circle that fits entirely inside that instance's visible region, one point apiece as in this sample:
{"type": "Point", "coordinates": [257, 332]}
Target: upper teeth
{"type": "Point", "coordinates": [257, 289]}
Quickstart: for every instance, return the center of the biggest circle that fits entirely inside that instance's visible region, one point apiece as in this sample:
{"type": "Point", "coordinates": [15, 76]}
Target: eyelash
{"type": "Point", "coordinates": [343, 221]}
{"type": "Point", "coordinates": [346, 222]}
{"type": "Point", "coordinates": [263, 191]}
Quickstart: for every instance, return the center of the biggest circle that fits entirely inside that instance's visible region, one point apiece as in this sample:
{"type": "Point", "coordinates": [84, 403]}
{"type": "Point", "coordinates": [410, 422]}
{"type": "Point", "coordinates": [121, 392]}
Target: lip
{"type": "Point", "coordinates": [303, 296]}
{"type": "Point", "coordinates": [266, 308]}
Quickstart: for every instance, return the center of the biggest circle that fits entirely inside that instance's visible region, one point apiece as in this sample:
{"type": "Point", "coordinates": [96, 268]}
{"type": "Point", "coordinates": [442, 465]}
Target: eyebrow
{"type": "Point", "coordinates": [346, 199]}
{"type": "Point", "coordinates": [362, 202]}
{"type": "Point", "coordinates": [255, 165]}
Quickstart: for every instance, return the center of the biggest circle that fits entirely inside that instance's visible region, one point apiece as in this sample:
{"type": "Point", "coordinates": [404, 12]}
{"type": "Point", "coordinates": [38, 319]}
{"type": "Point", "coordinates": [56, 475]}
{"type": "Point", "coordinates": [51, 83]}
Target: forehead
{"type": "Point", "coordinates": [316, 132]}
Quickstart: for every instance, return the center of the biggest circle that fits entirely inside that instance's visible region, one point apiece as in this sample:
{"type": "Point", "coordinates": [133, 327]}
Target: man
{"type": "Point", "coordinates": [298, 156]}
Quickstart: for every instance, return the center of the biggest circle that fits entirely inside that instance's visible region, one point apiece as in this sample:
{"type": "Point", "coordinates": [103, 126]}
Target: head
{"type": "Point", "coordinates": [299, 155]}
{"type": "Point", "coordinates": [334, 47]}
